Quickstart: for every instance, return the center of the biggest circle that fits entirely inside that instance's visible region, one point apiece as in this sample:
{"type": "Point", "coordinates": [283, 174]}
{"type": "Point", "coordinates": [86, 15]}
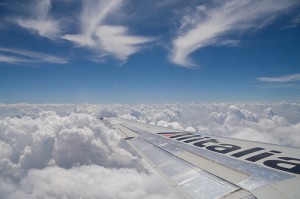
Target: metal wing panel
{"type": "Point", "coordinates": [194, 182]}
{"type": "Point", "coordinates": [258, 176]}
{"type": "Point", "coordinates": [201, 173]}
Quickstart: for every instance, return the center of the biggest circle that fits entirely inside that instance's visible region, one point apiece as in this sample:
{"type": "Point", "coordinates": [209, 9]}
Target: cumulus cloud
{"type": "Point", "coordinates": [20, 56]}
{"type": "Point", "coordinates": [247, 122]}
{"type": "Point", "coordinates": [276, 123]}
{"type": "Point", "coordinates": [282, 79]}
{"type": "Point", "coordinates": [207, 26]}
{"type": "Point", "coordinates": [91, 182]}
{"type": "Point", "coordinates": [101, 37]}
{"type": "Point", "coordinates": [73, 156]}
{"type": "Point", "coordinates": [41, 22]}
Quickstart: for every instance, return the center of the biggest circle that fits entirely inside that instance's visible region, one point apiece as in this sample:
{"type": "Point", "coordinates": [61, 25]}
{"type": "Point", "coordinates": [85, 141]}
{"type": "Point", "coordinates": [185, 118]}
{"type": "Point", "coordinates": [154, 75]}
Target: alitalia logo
{"type": "Point", "coordinates": [287, 164]}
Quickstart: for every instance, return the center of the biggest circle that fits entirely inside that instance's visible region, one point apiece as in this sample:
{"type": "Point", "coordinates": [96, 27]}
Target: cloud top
{"type": "Point", "coordinates": [70, 156]}
{"type": "Point", "coordinates": [91, 182]}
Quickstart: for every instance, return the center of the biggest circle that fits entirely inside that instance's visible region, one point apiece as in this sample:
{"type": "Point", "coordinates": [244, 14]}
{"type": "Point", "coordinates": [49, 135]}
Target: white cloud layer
{"type": "Point", "coordinates": [208, 26]}
{"type": "Point", "coordinates": [41, 22]}
{"type": "Point", "coordinates": [277, 123]}
{"type": "Point", "coordinates": [282, 79]}
{"type": "Point", "coordinates": [20, 56]}
{"type": "Point", "coordinates": [47, 155]}
{"type": "Point", "coordinates": [90, 182]}
{"type": "Point", "coordinates": [64, 151]}
{"type": "Point", "coordinates": [105, 39]}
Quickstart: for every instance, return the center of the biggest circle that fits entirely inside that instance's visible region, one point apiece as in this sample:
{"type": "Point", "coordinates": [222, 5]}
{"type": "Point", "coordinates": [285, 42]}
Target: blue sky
{"type": "Point", "coordinates": [132, 51]}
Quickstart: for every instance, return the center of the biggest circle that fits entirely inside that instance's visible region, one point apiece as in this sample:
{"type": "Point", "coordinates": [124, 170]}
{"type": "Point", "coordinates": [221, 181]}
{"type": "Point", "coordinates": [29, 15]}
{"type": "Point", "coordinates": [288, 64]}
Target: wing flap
{"type": "Point", "coordinates": [182, 175]}
{"type": "Point", "coordinates": [218, 170]}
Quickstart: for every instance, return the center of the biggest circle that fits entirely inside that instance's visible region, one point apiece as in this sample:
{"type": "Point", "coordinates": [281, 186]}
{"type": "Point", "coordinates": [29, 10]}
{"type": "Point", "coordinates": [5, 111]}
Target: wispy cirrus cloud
{"type": "Point", "coordinates": [12, 59]}
{"type": "Point", "coordinates": [294, 23]}
{"type": "Point", "coordinates": [281, 79]}
{"type": "Point", "coordinates": [41, 22]}
{"type": "Point", "coordinates": [20, 56]}
{"type": "Point", "coordinates": [208, 26]}
{"type": "Point", "coordinates": [102, 38]}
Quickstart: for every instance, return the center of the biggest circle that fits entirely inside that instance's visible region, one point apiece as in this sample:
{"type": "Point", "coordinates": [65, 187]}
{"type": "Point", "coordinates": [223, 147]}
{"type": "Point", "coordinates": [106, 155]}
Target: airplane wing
{"type": "Point", "coordinates": [205, 166]}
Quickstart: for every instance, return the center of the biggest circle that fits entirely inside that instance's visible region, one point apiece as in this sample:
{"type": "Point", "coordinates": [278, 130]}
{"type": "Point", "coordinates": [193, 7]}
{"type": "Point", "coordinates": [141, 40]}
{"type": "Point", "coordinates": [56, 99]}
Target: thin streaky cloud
{"type": "Point", "coordinates": [216, 22]}
{"type": "Point", "coordinates": [282, 79]}
{"type": "Point", "coordinates": [293, 86]}
{"type": "Point", "coordinates": [24, 56]}
{"type": "Point", "coordinates": [41, 22]}
{"type": "Point", "coordinates": [14, 60]}
{"type": "Point", "coordinates": [294, 23]}
{"type": "Point", "coordinates": [102, 38]}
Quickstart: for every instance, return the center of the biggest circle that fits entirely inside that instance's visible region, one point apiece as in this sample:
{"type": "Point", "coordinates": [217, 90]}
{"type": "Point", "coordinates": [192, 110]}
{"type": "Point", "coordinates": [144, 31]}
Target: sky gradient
{"type": "Point", "coordinates": [131, 51]}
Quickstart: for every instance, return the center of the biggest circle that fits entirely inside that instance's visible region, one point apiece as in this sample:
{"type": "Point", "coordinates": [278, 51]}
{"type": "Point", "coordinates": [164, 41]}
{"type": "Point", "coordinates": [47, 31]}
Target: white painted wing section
{"type": "Point", "coordinates": [208, 172]}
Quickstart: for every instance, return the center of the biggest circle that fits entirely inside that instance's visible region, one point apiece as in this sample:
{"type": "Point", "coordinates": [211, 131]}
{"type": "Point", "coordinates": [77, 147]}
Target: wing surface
{"type": "Point", "coordinates": [205, 166]}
